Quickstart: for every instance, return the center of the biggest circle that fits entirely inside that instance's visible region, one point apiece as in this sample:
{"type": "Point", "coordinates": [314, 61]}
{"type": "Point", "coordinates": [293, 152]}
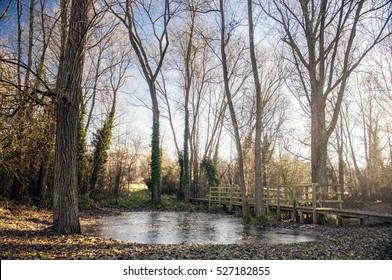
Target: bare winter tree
{"type": "Point", "coordinates": [224, 40]}
{"type": "Point", "coordinates": [259, 115]}
{"type": "Point", "coordinates": [327, 40]}
{"type": "Point", "coordinates": [147, 22]}
{"type": "Point", "coordinates": [5, 8]}
{"type": "Point", "coordinates": [191, 62]}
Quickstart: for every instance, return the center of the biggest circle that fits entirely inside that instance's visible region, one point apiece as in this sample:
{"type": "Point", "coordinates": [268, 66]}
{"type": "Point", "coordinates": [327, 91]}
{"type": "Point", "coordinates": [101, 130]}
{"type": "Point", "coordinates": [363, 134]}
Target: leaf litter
{"type": "Point", "coordinates": [26, 233]}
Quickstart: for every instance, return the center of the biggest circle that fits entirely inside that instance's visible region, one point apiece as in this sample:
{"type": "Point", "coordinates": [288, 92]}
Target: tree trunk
{"type": "Point", "coordinates": [82, 153]}
{"type": "Point", "coordinates": [18, 189]}
{"type": "Point", "coordinates": [185, 176]}
{"type": "Point", "coordinates": [319, 141]}
{"type": "Point", "coordinates": [341, 164]}
{"type": "Point", "coordinates": [155, 148]}
{"type": "Point", "coordinates": [195, 179]}
{"type": "Point", "coordinates": [259, 205]}
{"type": "Point", "coordinates": [241, 175]}
{"type": "Point", "coordinates": [68, 87]}
{"type": "Point", "coordinates": [117, 182]}
{"type": "Point", "coordinates": [328, 57]}
{"type": "Point", "coordinates": [19, 46]}
{"type": "Point", "coordinates": [150, 75]}
{"type": "Point", "coordinates": [42, 179]}
{"type": "Point", "coordinates": [31, 43]}
{"type": "Point", "coordinates": [101, 142]}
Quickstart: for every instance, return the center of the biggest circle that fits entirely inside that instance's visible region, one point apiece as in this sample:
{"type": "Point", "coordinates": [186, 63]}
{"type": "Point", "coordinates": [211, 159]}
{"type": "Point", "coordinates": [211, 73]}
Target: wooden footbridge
{"type": "Point", "coordinates": [305, 202]}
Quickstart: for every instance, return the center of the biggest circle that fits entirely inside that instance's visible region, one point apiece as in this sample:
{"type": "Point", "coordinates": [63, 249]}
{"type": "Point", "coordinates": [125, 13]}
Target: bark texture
{"type": "Point", "coordinates": [69, 80]}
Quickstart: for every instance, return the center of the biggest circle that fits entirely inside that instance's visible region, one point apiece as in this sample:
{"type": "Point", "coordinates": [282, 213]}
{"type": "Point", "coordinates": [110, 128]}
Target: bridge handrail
{"type": "Point", "coordinates": [306, 194]}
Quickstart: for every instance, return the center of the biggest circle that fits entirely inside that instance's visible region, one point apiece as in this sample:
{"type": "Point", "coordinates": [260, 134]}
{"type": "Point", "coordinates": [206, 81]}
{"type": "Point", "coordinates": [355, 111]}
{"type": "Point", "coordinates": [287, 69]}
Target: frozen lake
{"type": "Point", "coordinates": [186, 227]}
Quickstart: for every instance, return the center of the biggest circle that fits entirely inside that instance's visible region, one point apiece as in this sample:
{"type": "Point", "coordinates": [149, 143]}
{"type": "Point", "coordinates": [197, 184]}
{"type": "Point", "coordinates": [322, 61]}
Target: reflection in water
{"type": "Point", "coordinates": [184, 227]}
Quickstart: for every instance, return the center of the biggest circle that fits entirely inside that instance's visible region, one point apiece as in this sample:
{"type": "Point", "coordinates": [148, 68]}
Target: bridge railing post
{"type": "Point", "coordinates": [231, 199]}
{"type": "Point", "coordinates": [209, 199]}
{"type": "Point", "coordinates": [219, 195]}
{"type": "Point", "coordinates": [340, 196]}
{"type": "Point", "coordinates": [268, 198]}
{"type": "Point", "coordinates": [294, 199]}
{"type": "Point", "coordinates": [278, 213]}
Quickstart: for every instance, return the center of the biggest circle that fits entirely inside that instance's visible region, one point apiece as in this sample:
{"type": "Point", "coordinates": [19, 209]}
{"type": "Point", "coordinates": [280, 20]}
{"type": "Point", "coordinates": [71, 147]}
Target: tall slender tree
{"type": "Point", "coordinates": [188, 55]}
{"type": "Point", "coordinates": [259, 117]}
{"type": "Point", "coordinates": [157, 18]}
{"type": "Point", "coordinates": [240, 159]}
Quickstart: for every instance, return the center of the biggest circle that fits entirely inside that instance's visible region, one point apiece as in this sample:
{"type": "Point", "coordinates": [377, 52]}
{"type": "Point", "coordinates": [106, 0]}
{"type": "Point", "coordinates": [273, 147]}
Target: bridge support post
{"type": "Point", "coordinates": [278, 212]}
{"type": "Point", "coordinates": [340, 196]}
{"type": "Point", "coordinates": [339, 220]}
{"type": "Point", "coordinates": [301, 216]}
{"type": "Point", "coordinates": [231, 200]}
{"type": "Point", "coordinates": [209, 199]}
{"type": "Point", "coordinates": [294, 194]}
{"type": "Point", "coordinates": [219, 196]}
{"type": "Point", "coordinates": [267, 199]}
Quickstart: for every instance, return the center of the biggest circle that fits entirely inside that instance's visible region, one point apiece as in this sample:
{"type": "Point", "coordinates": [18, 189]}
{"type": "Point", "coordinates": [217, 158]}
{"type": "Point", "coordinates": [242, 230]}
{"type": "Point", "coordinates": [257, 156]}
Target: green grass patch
{"type": "Point", "coordinates": [268, 217]}
{"type": "Point", "coordinates": [172, 202]}
{"type": "Point", "coordinates": [85, 202]}
{"type": "Point", "coordinates": [251, 219]}
{"type": "Point", "coordinates": [135, 199]}
{"type": "Point", "coordinates": [215, 208]}
{"type": "Point", "coordinates": [139, 197]}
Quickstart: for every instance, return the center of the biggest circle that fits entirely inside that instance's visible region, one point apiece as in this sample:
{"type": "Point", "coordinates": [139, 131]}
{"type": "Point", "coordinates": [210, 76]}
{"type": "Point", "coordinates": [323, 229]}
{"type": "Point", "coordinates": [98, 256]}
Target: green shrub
{"type": "Point", "coordinates": [170, 181]}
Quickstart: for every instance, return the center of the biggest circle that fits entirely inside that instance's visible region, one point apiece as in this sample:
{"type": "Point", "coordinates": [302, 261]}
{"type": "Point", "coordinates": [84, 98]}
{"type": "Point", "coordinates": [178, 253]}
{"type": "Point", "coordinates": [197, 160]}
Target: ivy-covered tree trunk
{"type": "Point", "coordinates": [150, 67]}
{"type": "Point", "coordinates": [82, 154]}
{"type": "Point", "coordinates": [118, 179]}
{"type": "Point", "coordinates": [209, 167]}
{"type": "Point", "coordinates": [155, 150]}
{"type": "Point", "coordinates": [184, 190]}
{"type": "Point", "coordinates": [185, 172]}
{"type": "Point", "coordinates": [180, 193]}
{"type": "Point", "coordinates": [68, 88]}
{"type": "Point", "coordinates": [185, 168]}
{"type": "Point", "coordinates": [101, 142]}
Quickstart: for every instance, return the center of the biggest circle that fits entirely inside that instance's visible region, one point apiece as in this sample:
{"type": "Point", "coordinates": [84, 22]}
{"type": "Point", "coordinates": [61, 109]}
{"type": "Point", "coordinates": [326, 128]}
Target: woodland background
{"type": "Point", "coordinates": [227, 104]}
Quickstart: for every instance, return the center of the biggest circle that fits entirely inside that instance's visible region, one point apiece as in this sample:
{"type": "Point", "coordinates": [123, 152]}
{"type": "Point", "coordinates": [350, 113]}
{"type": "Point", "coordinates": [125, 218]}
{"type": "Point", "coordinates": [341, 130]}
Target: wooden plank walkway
{"type": "Point", "coordinates": [348, 213]}
{"type": "Point", "coordinates": [298, 201]}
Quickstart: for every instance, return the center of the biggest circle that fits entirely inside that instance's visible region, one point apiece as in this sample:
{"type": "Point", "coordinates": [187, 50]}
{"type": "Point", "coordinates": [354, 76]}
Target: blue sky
{"type": "Point", "coordinates": [8, 25]}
